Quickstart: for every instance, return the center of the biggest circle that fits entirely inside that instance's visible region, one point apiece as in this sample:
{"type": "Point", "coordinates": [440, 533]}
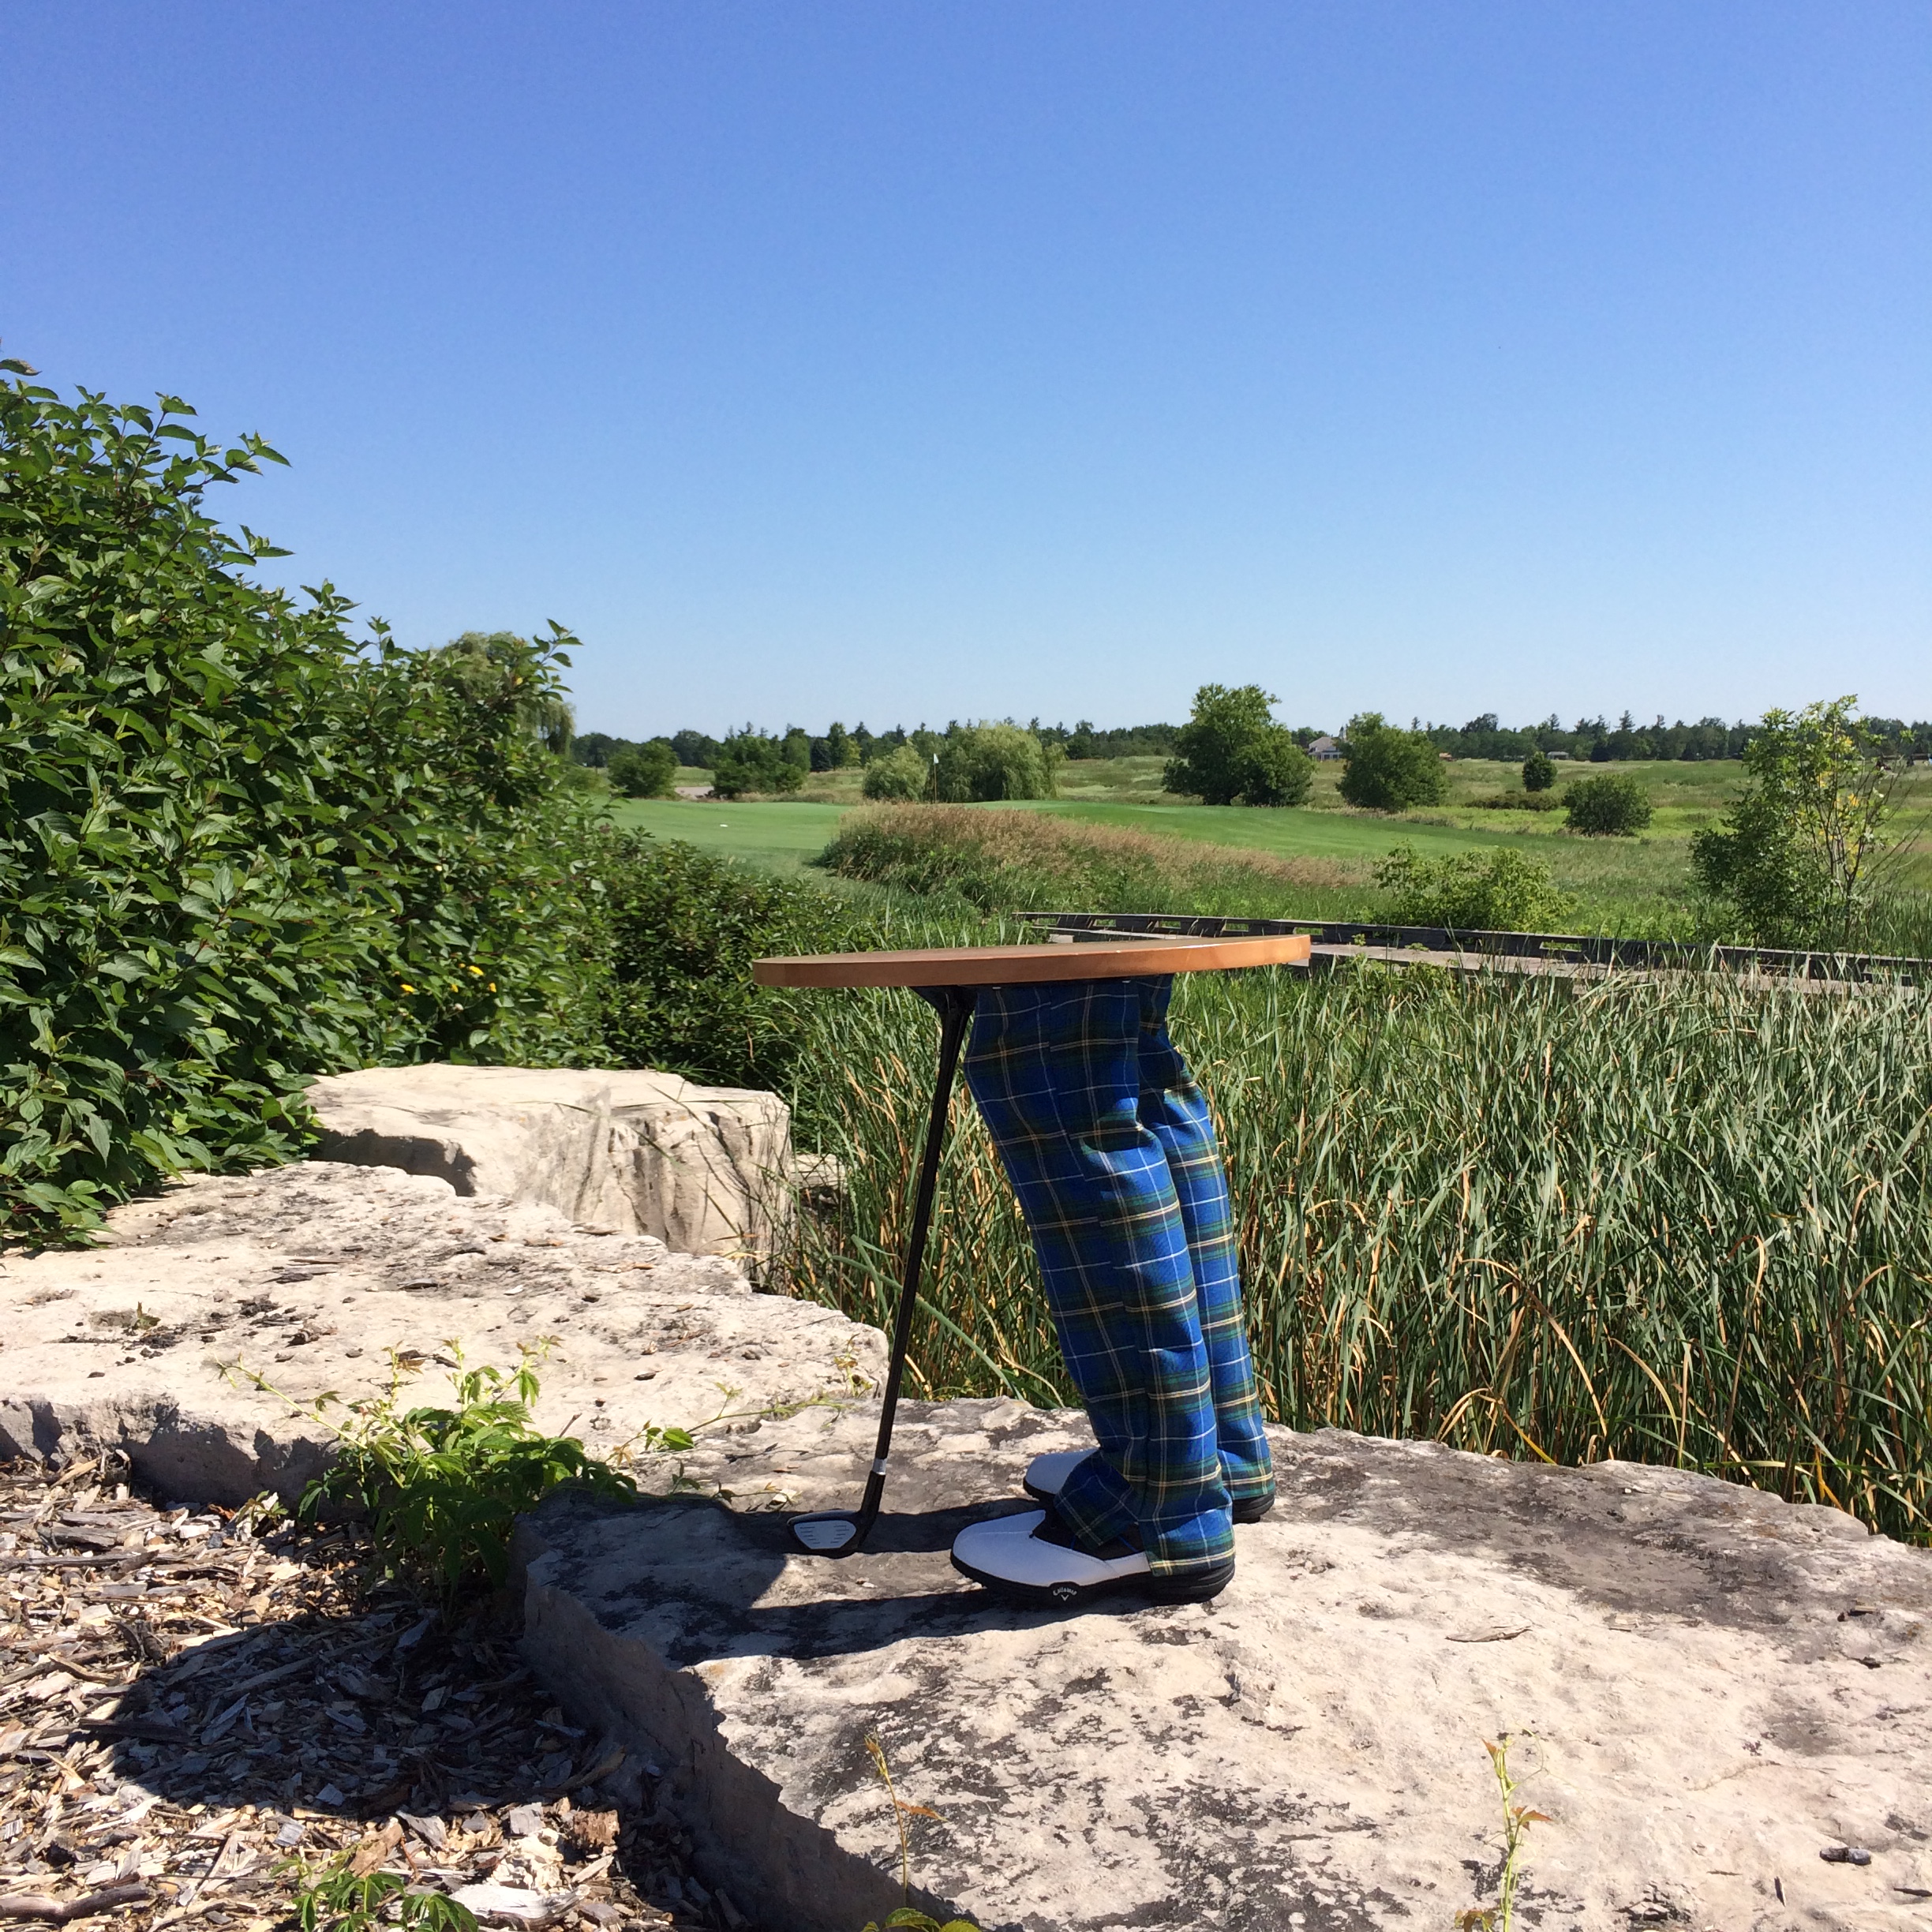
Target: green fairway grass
{"type": "Point", "coordinates": [779, 837]}
{"type": "Point", "coordinates": [1636, 886]}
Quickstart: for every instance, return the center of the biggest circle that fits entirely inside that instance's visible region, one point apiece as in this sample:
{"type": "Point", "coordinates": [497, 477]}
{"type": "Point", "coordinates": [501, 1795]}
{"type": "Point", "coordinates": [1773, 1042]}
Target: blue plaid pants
{"type": "Point", "coordinates": [1109, 1145]}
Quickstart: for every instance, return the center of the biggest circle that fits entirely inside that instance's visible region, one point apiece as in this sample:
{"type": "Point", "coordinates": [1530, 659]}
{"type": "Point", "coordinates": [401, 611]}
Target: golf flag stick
{"type": "Point", "coordinates": [839, 1533]}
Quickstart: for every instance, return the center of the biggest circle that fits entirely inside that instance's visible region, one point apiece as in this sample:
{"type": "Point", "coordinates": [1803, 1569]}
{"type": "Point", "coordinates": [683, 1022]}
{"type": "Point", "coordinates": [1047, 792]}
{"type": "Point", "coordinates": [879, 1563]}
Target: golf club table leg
{"type": "Point", "coordinates": [841, 1533]}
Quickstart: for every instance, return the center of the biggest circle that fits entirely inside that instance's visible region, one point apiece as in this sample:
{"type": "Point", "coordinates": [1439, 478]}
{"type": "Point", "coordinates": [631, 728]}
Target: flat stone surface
{"type": "Point", "coordinates": [706, 1170]}
{"type": "Point", "coordinates": [310, 1274]}
{"type": "Point", "coordinates": [1703, 1688]}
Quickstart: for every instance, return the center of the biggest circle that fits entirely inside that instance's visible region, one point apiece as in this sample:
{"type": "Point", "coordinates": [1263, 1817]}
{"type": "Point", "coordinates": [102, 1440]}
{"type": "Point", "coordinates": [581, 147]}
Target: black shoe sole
{"type": "Point", "coordinates": [1198, 1588]}
{"type": "Point", "coordinates": [1247, 1509]}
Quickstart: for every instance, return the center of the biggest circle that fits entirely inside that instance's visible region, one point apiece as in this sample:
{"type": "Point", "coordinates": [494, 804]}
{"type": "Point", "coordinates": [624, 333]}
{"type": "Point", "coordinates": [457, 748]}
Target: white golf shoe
{"type": "Point", "coordinates": [1046, 1476]}
{"type": "Point", "coordinates": [1032, 1556]}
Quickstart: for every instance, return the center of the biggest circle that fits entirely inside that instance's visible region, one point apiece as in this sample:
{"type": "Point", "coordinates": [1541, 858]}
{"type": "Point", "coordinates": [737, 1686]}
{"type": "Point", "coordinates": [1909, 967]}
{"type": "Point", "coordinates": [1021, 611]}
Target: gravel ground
{"type": "Point", "coordinates": [194, 1706]}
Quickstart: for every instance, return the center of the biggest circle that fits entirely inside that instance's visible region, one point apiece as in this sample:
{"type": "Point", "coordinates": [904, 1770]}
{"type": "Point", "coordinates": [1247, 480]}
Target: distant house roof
{"type": "Point", "coordinates": [1324, 748]}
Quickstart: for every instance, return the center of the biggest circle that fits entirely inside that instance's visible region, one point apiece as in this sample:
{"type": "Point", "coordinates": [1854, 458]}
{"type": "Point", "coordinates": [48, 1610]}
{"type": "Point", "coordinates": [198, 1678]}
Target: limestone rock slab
{"type": "Point", "coordinates": [1703, 1687]}
{"type": "Point", "coordinates": [706, 1170]}
{"type": "Point", "coordinates": [310, 1274]}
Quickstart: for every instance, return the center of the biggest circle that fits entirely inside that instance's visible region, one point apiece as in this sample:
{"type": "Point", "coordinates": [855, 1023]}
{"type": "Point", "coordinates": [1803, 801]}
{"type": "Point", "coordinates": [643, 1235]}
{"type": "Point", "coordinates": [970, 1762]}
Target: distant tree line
{"type": "Point", "coordinates": [763, 754]}
{"type": "Point", "coordinates": [1603, 743]}
{"type": "Point", "coordinates": [836, 747]}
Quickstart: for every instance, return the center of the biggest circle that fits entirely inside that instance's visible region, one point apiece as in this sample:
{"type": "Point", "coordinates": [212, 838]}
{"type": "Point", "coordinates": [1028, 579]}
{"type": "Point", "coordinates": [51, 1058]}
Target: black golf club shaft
{"type": "Point", "coordinates": [956, 1009]}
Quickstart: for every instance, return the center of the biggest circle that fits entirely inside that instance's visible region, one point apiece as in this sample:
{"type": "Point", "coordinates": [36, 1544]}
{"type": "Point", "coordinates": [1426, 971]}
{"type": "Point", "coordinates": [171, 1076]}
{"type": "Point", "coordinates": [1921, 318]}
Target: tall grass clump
{"type": "Point", "coordinates": [1020, 861]}
{"type": "Point", "coordinates": [1685, 1221]}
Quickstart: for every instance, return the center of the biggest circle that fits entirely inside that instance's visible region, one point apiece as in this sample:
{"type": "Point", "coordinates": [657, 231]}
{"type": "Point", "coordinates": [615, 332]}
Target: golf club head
{"type": "Point", "coordinates": [830, 1533]}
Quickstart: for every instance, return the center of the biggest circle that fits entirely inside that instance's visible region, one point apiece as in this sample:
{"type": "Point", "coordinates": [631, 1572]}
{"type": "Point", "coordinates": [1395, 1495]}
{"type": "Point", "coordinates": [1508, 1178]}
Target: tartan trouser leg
{"type": "Point", "coordinates": [1174, 1110]}
{"type": "Point", "coordinates": [1055, 1071]}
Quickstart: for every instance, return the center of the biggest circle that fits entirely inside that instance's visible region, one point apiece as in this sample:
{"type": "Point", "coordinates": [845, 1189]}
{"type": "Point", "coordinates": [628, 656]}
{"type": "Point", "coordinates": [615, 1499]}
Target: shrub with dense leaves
{"type": "Point", "coordinates": [1231, 752]}
{"type": "Point", "coordinates": [442, 1488]}
{"type": "Point", "coordinates": [1611, 806]}
{"type": "Point", "coordinates": [980, 763]}
{"type": "Point", "coordinates": [752, 761]}
{"type": "Point", "coordinates": [900, 778]}
{"type": "Point", "coordinates": [237, 847]}
{"type": "Point", "coordinates": [1539, 772]}
{"type": "Point", "coordinates": [1388, 769]}
{"type": "Point", "coordinates": [684, 927]}
{"type": "Point", "coordinates": [644, 771]}
{"type": "Point", "coordinates": [1497, 891]}
{"type": "Point", "coordinates": [1796, 861]}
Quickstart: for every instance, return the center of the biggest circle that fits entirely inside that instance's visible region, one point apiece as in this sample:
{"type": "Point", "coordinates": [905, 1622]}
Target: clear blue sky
{"type": "Point", "coordinates": [912, 362]}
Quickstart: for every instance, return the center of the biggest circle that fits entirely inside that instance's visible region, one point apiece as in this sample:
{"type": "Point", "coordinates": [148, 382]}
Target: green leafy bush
{"type": "Point", "coordinates": [900, 778]}
{"type": "Point", "coordinates": [1498, 891]}
{"type": "Point", "coordinates": [644, 771]}
{"type": "Point", "coordinates": [1231, 752]}
{"type": "Point", "coordinates": [750, 761]}
{"type": "Point", "coordinates": [684, 928]}
{"type": "Point", "coordinates": [1517, 801]}
{"type": "Point", "coordinates": [1273, 770]}
{"type": "Point", "coordinates": [1795, 859]}
{"type": "Point", "coordinates": [442, 1487]}
{"type": "Point", "coordinates": [1386, 770]}
{"type": "Point", "coordinates": [238, 848]}
{"type": "Point", "coordinates": [1610, 807]}
{"type": "Point", "coordinates": [981, 762]}
{"type": "Point", "coordinates": [1539, 772]}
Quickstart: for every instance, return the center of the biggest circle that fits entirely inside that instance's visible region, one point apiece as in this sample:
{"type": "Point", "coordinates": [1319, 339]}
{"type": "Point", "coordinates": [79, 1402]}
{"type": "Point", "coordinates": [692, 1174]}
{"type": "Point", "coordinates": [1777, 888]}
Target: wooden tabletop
{"type": "Point", "coordinates": [1028, 965]}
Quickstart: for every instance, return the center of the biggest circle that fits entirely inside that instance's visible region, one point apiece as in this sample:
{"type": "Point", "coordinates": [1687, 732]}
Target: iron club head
{"type": "Point", "coordinates": [830, 1533]}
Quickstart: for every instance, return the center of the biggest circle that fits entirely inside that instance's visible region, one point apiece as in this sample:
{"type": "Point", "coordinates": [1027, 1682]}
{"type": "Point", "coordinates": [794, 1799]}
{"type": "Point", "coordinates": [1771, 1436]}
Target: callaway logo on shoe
{"type": "Point", "coordinates": [1046, 1476]}
{"type": "Point", "coordinates": [1033, 1555]}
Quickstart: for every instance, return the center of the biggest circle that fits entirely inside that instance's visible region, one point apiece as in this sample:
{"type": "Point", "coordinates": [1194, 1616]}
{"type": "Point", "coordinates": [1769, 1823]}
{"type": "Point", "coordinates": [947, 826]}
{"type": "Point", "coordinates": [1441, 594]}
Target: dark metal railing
{"type": "Point", "coordinates": [1556, 948]}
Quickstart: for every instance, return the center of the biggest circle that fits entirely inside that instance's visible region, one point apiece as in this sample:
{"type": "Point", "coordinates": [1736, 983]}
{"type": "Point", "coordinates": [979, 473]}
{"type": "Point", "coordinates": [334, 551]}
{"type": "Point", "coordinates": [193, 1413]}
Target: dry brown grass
{"type": "Point", "coordinates": [1015, 860]}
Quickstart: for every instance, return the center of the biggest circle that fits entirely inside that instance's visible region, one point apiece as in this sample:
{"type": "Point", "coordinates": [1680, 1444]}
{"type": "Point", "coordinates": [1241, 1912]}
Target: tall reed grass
{"type": "Point", "coordinates": [1686, 1221]}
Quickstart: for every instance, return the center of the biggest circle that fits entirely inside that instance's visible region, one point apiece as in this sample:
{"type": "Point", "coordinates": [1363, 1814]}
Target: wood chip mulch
{"type": "Point", "coordinates": [194, 1706]}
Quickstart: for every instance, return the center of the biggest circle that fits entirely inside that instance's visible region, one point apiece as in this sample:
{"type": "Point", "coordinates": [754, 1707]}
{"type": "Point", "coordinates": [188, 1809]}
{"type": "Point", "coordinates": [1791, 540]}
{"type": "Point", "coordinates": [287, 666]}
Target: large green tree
{"type": "Point", "coordinates": [981, 763]}
{"type": "Point", "coordinates": [753, 761]}
{"type": "Point", "coordinates": [238, 846]}
{"type": "Point", "coordinates": [1388, 769]}
{"type": "Point", "coordinates": [644, 771]}
{"type": "Point", "coordinates": [901, 777]}
{"type": "Point", "coordinates": [493, 667]}
{"type": "Point", "coordinates": [1795, 861]}
{"type": "Point", "coordinates": [1231, 752]}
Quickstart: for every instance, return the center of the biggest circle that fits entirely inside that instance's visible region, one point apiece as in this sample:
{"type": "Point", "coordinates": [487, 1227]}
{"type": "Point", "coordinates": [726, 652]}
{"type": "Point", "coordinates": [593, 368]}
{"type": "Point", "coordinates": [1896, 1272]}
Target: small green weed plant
{"type": "Point", "coordinates": [442, 1488]}
{"type": "Point", "coordinates": [908, 1917]}
{"type": "Point", "coordinates": [339, 1900]}
{"type": "Point", "coordinates": [1517, 1819]}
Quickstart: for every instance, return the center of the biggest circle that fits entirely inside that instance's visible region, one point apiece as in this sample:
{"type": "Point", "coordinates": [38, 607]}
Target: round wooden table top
{"type": "Point", "coordinates": [1030, 965]}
